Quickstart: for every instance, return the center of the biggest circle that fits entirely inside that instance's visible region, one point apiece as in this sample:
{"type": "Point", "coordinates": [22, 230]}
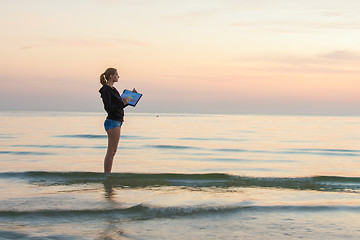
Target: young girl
{"type": "Point", "coordinates": [114, 105]}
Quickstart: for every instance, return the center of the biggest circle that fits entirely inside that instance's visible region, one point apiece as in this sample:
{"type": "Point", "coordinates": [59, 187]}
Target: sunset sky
{"type": "Point", "coordinates": [188, 56]}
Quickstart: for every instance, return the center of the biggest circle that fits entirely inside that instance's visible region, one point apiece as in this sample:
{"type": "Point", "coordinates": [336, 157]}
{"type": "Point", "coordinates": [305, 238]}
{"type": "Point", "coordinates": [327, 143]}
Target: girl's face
{"type": "Point", "coordinates": [115, 77]}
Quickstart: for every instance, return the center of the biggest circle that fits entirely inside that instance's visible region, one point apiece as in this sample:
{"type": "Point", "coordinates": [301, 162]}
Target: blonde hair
{"type": "Point", "coordinates": [106, 75]}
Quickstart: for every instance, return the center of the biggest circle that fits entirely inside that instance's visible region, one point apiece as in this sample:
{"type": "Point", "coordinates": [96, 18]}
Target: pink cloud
{"type": "Point", "coordinates": [342, 55]}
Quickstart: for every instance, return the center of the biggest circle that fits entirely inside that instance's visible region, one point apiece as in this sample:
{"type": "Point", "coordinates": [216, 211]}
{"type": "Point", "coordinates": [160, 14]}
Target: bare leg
{"type": "Point", "coordinates": [113, 141]}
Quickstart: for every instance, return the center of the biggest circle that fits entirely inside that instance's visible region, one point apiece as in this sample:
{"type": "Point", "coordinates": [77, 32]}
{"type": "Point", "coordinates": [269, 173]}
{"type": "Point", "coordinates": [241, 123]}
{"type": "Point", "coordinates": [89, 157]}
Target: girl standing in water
{"type": "Point", "coordinates": [114, 106]}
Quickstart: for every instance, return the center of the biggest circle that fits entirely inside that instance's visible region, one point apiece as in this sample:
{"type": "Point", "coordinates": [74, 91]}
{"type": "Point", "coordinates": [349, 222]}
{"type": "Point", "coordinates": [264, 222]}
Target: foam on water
{"type": "Point", "coordinates": [318, 183]}
{"type": "Point", "coordinates": [142, 211]}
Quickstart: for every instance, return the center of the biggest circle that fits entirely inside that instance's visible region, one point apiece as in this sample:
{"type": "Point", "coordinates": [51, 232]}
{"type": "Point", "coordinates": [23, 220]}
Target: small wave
{"type": "Point", "coordinates": [6, 136]}
{"type": "Point", "coordinates": [336, 179]}
{"type": "Point", "coordinates": [328, 152]}
{"type": "Point", "coordinates": [82, 136]}
{"type": "Point", "coordinates": [45, 146]}
{"type": "Point", "coordinates": [57, 146]}
{"type": "Point", "coordinates": [144, 212]}
{"type": "Point", "coordinates": [136, 180]}
{"type": "Point", "coordinates": [25, 153]}
{"type": "Point", "coordinates": [230, 150]}
{"type": "Point", "coordinates": [139, 210]}
{"type": "Point", "coordinates": [136, 137]}
{"type": "Point", "coordinates": [239, 150]}
{"type": "Point", "coordinates": [171, 147]}
{"type": "Point", "coordinates": [90, 136]}
{"type": "Point", "coordinates": [197, 139]}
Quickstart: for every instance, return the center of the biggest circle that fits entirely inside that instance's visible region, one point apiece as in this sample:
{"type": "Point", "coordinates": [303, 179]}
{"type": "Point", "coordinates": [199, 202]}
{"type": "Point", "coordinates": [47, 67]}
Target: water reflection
{"type": "Point", "coordinates": [109, 192]}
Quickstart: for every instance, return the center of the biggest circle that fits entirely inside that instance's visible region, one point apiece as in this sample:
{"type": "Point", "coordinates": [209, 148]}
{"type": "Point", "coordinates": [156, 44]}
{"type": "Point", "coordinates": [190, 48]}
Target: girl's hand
{"type": "Point", "coordinates": [134, 90]}
{"type": "Point", "coordinates": [126, 100]}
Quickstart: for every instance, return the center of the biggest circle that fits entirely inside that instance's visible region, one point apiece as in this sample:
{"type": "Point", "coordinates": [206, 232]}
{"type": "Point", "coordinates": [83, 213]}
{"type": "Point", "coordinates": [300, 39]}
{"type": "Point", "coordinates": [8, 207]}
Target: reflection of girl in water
{"type": "Point", "coordinates": [114, 106]}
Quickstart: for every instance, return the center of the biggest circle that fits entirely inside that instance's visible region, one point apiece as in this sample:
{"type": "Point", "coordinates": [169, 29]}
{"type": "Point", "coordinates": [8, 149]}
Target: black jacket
{"type": "Point", "coordinates": [113, 103]}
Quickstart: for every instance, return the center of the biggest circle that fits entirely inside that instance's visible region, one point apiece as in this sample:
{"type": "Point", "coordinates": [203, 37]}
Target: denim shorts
{"type": "Point", "coordinates": [109, 124]}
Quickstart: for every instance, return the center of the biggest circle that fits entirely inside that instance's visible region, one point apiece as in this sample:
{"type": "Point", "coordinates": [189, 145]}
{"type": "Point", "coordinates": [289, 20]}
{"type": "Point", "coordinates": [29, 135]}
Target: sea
{"type": "Point", "coordinates": [179, 176]}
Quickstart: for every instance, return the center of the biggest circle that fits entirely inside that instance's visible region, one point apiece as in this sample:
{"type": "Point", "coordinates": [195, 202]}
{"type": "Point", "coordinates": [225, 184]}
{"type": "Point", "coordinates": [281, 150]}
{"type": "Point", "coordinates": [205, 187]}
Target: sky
{"type": "Point", "coordinates": [188, 56]}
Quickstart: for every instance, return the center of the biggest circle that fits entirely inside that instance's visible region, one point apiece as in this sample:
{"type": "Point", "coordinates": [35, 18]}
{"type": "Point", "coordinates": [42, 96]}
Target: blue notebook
{"type": "Point", "coordinates": [135, 97]}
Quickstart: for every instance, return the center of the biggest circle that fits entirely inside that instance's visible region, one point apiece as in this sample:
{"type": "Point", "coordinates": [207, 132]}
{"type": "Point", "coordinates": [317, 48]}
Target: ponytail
{"type": "Point", "coordinates": [106, 75]}
{"type": "Point", "coordinates": [103, 80]}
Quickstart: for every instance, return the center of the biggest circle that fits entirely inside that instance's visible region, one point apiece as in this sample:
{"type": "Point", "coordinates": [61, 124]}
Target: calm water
{"type": "Point", "coordinates": [180, 177]}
